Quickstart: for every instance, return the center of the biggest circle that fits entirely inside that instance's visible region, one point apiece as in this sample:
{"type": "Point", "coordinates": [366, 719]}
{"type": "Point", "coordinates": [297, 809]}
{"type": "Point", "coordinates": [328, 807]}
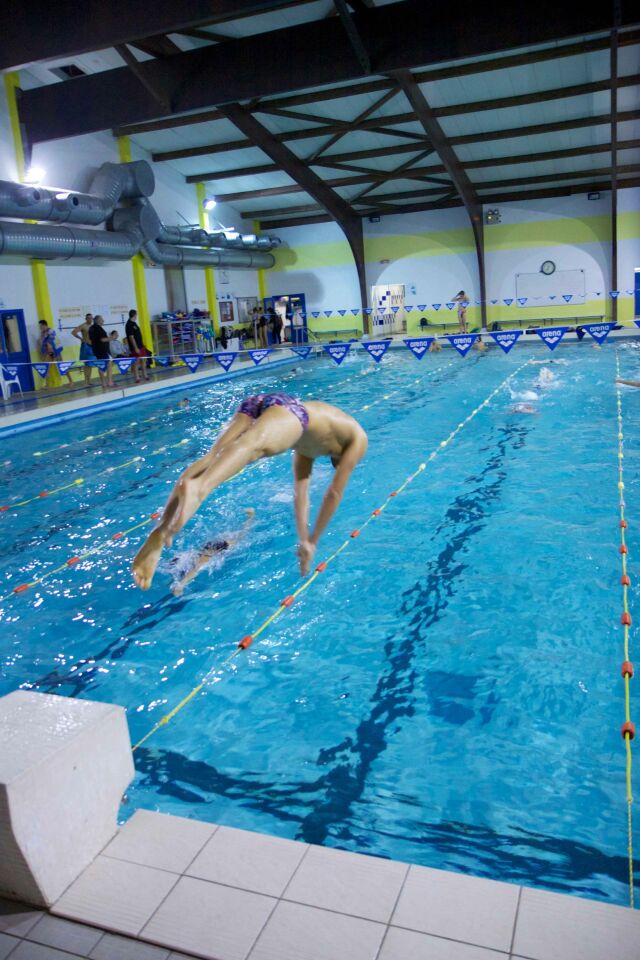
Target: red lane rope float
{"type": "Point", "coordinates": [249, 638]}
{"type": "Point", "coordinates": [628, 730]}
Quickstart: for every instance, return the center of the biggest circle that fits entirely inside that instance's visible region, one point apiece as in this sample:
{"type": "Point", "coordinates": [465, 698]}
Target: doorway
{"type": "Point", "coordinates": [292, 307]}
{"type": "Point", "coordinates": [14, 345]}
{"type": "Point", "coordinates": [176, 290]}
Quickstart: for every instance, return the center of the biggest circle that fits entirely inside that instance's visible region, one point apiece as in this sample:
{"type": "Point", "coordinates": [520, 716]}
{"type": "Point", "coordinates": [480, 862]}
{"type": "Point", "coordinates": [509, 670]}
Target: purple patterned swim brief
{"type": "Point", "coordinates": [254, 406]}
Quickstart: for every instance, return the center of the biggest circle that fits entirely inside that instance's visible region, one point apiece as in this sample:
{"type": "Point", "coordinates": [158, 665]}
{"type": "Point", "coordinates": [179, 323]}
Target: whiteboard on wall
{"type": "Point", "coordinates": [546, 291]}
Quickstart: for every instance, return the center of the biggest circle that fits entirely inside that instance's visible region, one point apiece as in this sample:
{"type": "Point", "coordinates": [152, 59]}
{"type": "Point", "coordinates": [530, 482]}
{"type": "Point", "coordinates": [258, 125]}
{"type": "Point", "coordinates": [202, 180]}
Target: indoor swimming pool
{"type": "Point", "coordinates": [448, 693]}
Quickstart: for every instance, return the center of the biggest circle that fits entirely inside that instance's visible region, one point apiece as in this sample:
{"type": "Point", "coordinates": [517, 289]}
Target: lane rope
{"type": "Point", "coordinates": [288, 601]}
{"type": "Point", "coordinates": [628, 729]}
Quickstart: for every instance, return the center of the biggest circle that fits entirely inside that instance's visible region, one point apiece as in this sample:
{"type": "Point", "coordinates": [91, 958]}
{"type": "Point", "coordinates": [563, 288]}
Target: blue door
{"type": "Point", "coordinates": [292, 308]}
{"type": "Point", "coordinates": [636, 312]}
{"type": "Point", "coordinates": [14, 346]}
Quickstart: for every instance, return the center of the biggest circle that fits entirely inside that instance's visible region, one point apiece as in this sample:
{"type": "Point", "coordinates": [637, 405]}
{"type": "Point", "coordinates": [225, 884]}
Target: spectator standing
{"type": "Point", "coordinates": [136, 346]}
{"type": "Point", "coordinates": [81, 333]}
{"type": "Point", "coordinates": [51, 353]}
{"type": "Point", "coordinates": [100, 341]}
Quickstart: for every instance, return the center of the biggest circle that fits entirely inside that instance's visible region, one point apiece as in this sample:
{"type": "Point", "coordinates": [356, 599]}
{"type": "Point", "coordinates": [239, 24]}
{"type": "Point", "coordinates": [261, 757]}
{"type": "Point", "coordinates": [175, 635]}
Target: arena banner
{"type": "Point", "coordinates": [551, 335]}
{"type": "Point", "coordinates": [122, 363]}
{"type": "Point", "coordinates": [315, 313]}
{"type": "Point", "coordinates": [11, 369]}
{"type": "Point", "coordinates": [376, 348]}
{"type": "Point", "coordinates": [98, 364]}
{"type": "Point", "coordinates": [192, 360]}
{"type": "Point", "coordinates": [259, 355]}
{"type": "Point", "coordinates": [162, 361]}
{"type": "Point", "coordinates": [302, 352]}
{"type": "Point", "coordinates": [462, 342]}
{"type": "Point", "coordinates": [506, 338]}
{"type": "Point", "coordinates": [355, 311]}
{"type": "Point", "coordinates": [225, 359]}
{"type": "Point", "coordinates": [328, 313]}
{"type": "Point", "coordinates": [422, 306]}
{"type": "Point", "coordinates": [419, 345]}
{"type": "Point", "coordinates": [337, 351]}
{"type": "Point", "coordinates": [599, 331]}
{"type": "Point", "coordinates": [342, 312]}
{"type": "Point", "coordinates": [65, 365]}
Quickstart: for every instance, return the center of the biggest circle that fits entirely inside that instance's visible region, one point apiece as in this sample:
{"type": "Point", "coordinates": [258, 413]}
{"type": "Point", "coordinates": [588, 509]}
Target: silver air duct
{"type": "Point", "coordinates": [64, 243]}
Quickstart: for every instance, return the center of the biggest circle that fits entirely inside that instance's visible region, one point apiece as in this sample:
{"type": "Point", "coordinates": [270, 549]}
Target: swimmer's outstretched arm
{"type": "Point", "coordinates": [628, 383]}
{"type": "Point", "coordinates": [203, 558]}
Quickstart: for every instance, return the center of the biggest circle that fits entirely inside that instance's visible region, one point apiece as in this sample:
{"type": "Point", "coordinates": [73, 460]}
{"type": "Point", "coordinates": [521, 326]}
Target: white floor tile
{"type": "Point", "coordinates": [17, 918]}
{"type": "Point", "coordinates": [251, 861]}
{"type": "Point", "coordinates": [27, 950]}
{"type": "Point", "coordinates": [296, 932]}
{"type": "Point", "coordinates": [65, 935]}
{"type": "Point", "coordinates": [157, 840]}
{"type": "Point", "coordinates": [458, 907]}
{"type": "Point", "coordinates": [209, 920]}
{"type": "Point", "coordinates": [555, 927]}
{"type": "Point", "coordinates": [361, 886]}
{"type": "Point", "coordinates": [7, 944]}
{"type": "Point", "coordinates": [115, 895]}
{"type": "Point", "coordinates": [113, 947]}
{"type": "Point", "coordinates": [409, 945]}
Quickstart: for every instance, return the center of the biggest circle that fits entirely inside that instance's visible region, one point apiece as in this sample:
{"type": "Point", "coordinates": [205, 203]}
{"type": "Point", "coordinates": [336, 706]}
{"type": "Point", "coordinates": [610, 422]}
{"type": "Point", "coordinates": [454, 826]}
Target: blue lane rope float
{"type": "Point", "coordinates": [628, 729]}
{"type": "Point", "coordinates": [289, 600]}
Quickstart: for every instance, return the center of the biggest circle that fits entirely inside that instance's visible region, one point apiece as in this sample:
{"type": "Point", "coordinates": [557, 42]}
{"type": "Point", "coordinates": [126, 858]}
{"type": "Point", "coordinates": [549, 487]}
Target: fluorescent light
{"type": "Point", "coordinates": [34, 175]}
{"type": "Point", "coordinates": [210, 203]}
{"type": "Point", "coordinates": [249, 238]}
{"type": "Point", "coordinates": [62, 195]}
{"type": "Point", "coordinates": [231, 234]}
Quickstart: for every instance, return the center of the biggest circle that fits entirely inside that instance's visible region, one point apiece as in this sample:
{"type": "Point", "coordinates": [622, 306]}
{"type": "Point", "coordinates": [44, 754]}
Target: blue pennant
{"type": "Point", "coordinates": [65, 365]}
{"type": "Point", "coordinates": [162, 361]}
{"type": "Point", "coordinates": [408, 308]}
{"type": "Point", "coordinates": [376, 348]}
{"type": "Point", "coordinates": [551, 335]}
{"type": "Point", "coordinates": [225, 359]}
{"type": "Point", "coordinates": [494, 302]}
{"type": "Point", "coordinates": [11, 369]}
{"type": "Point", "coordinates": [41, 368]}
{"type": "Point", "coordinates": [436, 306]}
{"type": "Point", "coordinates": [192, 360]}
{"type": "Point", "coordinates": [395, 309]}
{"type": "Point", "coordinates": [422, 306]}
{"type": "Point", "coordinates": [419, 345]}
{"type": "Point", "coordinates": [315, 313]}
{"type": "Point", "coordinates": [451, 304]}
{"type": "Point", "coordinates": [599, 331]}
{"type": "Point", "coordinates": [337, 351]}
{"type": "Point", "coordinates": [508, 301]}
{"type": "Point", "coordinates": [124, 363]}
{"type": "Point", "coordinates": [328, 313]}
{"type": "Point", "coordinates": [98, 364]}
{"type": "Point", "coordinates": [368, 311]}
{"type": "Point", "coordinates": [258, 355]}
{"type": "Point", "coordinates": [567, 296]}
{"type": "Point", "coordinates": [462, 342]}
{"type": "Point", "coordinates": [614, 294]}
{"type": "Point", "coordinates": [355, 311]}
{"type": "Point", "coordinates": [522, 301]}
{"type": "Point", "coordinates": [342, 312]}
{"type": "Point", "coordinates": [552, 297]}
{"type": "Point", "coordinates": [302, 352]}
{"type": "Point", "coordinates": [506, 338]}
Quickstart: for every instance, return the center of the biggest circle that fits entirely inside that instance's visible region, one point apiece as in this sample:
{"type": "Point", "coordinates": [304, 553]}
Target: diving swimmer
{"type": "Point", "coordinates": [264, 426]}
{"type": "Point", "coordinates": [210, 550]}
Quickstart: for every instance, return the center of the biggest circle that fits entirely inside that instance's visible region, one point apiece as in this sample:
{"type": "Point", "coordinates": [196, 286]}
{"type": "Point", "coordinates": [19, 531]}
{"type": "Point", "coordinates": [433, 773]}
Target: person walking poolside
{"type": "Point", "coordinates": [133, 334]}
{"type": "Point", "coordinates": [99, 340]}
{"type": "Point", "coordinates": [81, 333]}
{"type": "Point", "coordinates": [264, 426]}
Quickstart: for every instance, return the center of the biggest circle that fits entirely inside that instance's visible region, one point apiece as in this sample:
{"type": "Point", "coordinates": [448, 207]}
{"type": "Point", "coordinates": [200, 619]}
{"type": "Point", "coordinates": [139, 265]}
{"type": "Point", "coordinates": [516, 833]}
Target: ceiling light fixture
{"type": "Point", "coordinates": [34, 175]}
{"type": "Point", "coordinates": [210, 203]}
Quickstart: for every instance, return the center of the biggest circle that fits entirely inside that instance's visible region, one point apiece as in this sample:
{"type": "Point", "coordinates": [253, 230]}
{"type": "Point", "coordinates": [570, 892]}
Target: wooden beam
{"type": "Point", "coordinates": [353, 35]}
{"type": "Point", "coordinates": [161, 96]}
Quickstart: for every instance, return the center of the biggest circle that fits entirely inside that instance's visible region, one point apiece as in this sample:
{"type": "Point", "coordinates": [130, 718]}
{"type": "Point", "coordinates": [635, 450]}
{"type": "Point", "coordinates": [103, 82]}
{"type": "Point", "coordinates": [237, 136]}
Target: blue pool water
{"type": "Point", "coordinates": [448, 693]}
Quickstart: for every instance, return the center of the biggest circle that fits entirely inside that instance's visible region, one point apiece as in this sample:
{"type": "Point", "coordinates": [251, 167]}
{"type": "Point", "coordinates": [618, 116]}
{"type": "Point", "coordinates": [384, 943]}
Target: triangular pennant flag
{"type": "Point", "coordinates": [477, 302]}
{"type": "Point", "coordinates": [567, 296]}
{"type": "Point", "coordinates": [508, 301]}
{"type": "Point", "coordinates": [342, 312]}
{"type": "Point", "coordinates": [522, 301]}
{"type": "Point", "coordinates": [225, 359]}
{"type": "Point", "coordinates": [65, 365]}
{"type": "Point", "coordinates": [598, 293]}
{"type": "Point", "coordinates": [258, 355]}
{"type": "Point", "coordinates": [41, 368]}
{"type": "Point", "coordinates": [614, 294]}
{"type": "Point", "coordinates": [376, 348]}
{"type": "Point", "coordinates": [463, 343]}
{"type": "Point", "coordinates": [98, 364]}
{"type": "Point", "coordinates": [337, 351]}
{"type": "Point", "coordinates": [192, 360]}
{"type": "Point", "coordinates": [436, 306]}
{"type": "Point", "coordinates": [302, 352]}
{"type": "Point", "coordinates": [422, 306]}
{"type": "Point", "coordinates": [123, 363]}
{"type": "Point", "coordinates": [419, 345]}
{"type": "Point", "coordinates": [552, 297]}
{"type": "Point", "coordinates": [315, 313]}
{"type": "Point", "coordinates": [629, 293]}
{"type": "Point", "coordinates": [355, 311]}
{"type": "Point", "coordinates": [451, 305]}
{"type": "Point", "coordinates": [328, 313]}
{"type": "Point", "coordinates": [162, 361]}
{"type": "Point", "coordinates": [506, 338]}
{"type": "Point", "coordinates": [551, 335]}
{"type": "Point", "coordinates": [368, 311]}
{"type": "Point", "coordinates": [599, 331]}
{"type": "Point", "coordinates": [408, 308]}
{"type": "Point", "coordinates": [494, 302]}
{"type": "Point", "coordinates": [395, 309]}
{"type": "Point", "coordinates": [637, 323]}
{"type": "Point", "coordinates": [11, 369]}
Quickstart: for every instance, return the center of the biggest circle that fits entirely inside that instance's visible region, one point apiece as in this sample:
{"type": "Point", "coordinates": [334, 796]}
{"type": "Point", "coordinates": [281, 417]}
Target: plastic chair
{"type": "Point", "coordinates": [7, 381]}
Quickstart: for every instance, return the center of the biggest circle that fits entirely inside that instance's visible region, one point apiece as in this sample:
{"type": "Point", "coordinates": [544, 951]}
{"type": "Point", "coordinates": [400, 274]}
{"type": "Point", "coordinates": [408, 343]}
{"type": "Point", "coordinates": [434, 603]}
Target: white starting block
{"type": "Point", "coordinates": [64, 765]}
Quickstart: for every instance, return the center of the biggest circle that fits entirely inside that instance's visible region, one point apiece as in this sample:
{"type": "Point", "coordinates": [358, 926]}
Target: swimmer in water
{"type": "Point", "coordinates": [523, 408]}
{"type": "Point", "coordinates": [480, 345]}
{"type": "Point", "coordinates": [210, 550]}
{"type": "Point", "coordinates": [435, 347]}
{"type": "Point", "coordinates": [628, 383]}
{"type": "Point", "coordinates": [264, 426]}
{"type": "Point", "coordinates": [546, 377]}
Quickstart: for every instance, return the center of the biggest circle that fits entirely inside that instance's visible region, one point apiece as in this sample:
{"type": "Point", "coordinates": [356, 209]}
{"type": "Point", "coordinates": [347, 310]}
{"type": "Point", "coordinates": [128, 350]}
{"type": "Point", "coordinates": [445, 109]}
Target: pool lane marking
{"type": "Point", "coordinates": [72, 561]}
{"type": "Point", "coordinates": [105, 433]}
{"type": "Point", "coordinates": [628, 729]}
{"type": "Point", "coordinates": [289, 600]}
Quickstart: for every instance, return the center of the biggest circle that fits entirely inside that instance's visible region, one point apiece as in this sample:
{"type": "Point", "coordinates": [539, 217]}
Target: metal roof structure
{"type": "Point", "coordinates": [300, 111]}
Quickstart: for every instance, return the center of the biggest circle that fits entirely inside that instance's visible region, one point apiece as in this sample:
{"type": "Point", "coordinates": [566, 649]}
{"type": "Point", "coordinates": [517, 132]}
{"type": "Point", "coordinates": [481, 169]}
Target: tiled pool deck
{"type": "Point", "coordinates": [167, 888]}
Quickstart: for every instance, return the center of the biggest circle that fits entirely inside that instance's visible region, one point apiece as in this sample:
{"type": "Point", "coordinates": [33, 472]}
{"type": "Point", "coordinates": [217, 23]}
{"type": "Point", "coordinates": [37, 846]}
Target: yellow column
{"type": "Point", "coordinates": [262, 277]}
{"type": "Point", "coordinates": [38, 269]}
{"type": "Point", "coordinates": [209, 276]}
{"type": "Point", "coordinates": [137, 265]}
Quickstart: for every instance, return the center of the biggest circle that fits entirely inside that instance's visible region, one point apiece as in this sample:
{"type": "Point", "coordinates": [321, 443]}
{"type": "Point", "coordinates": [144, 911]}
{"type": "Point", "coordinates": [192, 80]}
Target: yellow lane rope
{"type": "Point", "coordinates": [22, 587]}
{"type": "Point", "coordinates": [628, 729]}
{"type": "Point", "coordinates": [105, 433]}
{"type": "Point", "coordinates": [289, 600]}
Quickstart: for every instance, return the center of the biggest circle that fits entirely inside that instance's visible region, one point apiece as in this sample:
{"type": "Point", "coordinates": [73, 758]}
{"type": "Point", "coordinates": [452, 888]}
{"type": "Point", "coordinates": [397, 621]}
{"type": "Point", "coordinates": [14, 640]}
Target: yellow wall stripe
{"type": "Point", "coordinates": [137, 266]}
{"type": "Point", "coordinates": [209, 275]}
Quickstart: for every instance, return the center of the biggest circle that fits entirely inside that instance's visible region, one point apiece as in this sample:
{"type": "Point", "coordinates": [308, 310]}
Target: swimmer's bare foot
{"type": "Point", "coordinates": [147, 558]}
{"type": "Point", "coordinates": [188, 502]}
